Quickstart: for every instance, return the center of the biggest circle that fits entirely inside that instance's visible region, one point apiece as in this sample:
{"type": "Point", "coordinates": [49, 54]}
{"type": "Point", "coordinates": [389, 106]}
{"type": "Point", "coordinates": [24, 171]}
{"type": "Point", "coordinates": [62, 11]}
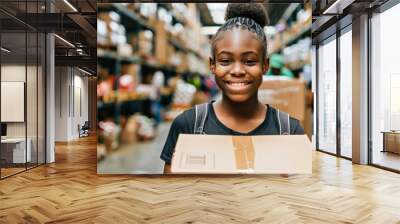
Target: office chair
{"type": "Point", "coordinates": [84, 130]}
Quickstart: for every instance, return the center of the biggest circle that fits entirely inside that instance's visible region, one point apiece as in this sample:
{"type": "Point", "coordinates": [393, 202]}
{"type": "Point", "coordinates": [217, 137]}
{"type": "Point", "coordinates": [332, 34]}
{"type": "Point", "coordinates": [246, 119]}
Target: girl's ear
{"type": "Point", "coordinates": [212, 65]}
{"type": "Point", "coordinates": [265, 64]}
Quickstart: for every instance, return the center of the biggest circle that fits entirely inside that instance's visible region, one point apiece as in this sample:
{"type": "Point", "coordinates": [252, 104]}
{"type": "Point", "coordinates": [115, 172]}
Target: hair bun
{"type": "Point", "coordinates": [255, 11]}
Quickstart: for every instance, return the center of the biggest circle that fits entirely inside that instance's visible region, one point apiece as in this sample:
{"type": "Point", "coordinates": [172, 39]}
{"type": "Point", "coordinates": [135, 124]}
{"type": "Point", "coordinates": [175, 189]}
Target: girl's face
{"type": "Point", "coordinates": [239, 64]}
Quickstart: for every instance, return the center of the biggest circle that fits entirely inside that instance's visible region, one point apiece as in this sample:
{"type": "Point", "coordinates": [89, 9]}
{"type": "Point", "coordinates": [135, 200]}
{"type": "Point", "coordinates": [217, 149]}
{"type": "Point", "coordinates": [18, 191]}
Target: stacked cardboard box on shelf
{"type": "Point", "coordinates": [172, 41]}
{"type": "Point", "coordinates": [147, 10]}
{"type": "Point", "coordinates": [295, 30]}
{"type": "Point", "coordinates": [161, 43]}
{"type": "Point", "coordinates": [128, 82]}
{"type": "Point", "coordinates": [288, 96]}
{"type": "Point", "coordinates": [111, 32]}
{"type": "Point", "coordinates": [183, 65]}
{"type": "Point", "coordinates": [168, 53]}
{"type": "Point", "coordinates": [145, 43]}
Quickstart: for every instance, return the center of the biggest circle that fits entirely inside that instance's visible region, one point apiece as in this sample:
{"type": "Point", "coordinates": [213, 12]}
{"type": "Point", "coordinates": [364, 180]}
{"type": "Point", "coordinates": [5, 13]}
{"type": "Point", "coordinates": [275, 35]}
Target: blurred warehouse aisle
{"type": "Point", "coordinates": [140, 158]}
{"type": "Point", "coordinates": [153, 64]}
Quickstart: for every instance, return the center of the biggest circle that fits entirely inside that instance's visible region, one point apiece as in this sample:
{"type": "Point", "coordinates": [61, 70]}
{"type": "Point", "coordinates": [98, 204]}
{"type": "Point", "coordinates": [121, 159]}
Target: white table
{"type": "Point", "coordinates": [18, 149]}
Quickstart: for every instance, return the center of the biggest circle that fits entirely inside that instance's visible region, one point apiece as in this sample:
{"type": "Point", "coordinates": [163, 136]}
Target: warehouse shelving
{"type": "Point", "coordinates": [295, 31]}
{"type": "Point", "coordinates": [124, 12]}
{"type": "Point", "coordinates": [305, 32]}
{"type": "Point", "coordinates": [117, 105]}
{"type": "Point", "coordinates": [134, 59]}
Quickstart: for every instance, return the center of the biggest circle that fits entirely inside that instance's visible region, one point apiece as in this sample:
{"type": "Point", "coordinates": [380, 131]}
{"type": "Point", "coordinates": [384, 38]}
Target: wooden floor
{"type": "Point", "coordinates": [387, 159]}
{"type": "Point", "coordinates": [70, 191]}
{"type": "Point", "coordinates": [10, 171]}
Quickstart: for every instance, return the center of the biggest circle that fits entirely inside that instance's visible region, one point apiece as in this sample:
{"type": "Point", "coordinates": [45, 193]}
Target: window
{"type": "Point", "coordinates": [346, 95]}
{"type": "Point", "coordinates": [327, 96]}
{"type": "Point", "coordinates": [385, 89]}
{"type": "Point", "coordinates": [22, 76]}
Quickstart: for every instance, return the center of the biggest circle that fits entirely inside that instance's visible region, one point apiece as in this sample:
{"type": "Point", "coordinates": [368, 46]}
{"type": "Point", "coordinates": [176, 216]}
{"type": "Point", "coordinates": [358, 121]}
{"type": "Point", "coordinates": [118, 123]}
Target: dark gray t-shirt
{"type": "Point", "coordinates": [184, 123]}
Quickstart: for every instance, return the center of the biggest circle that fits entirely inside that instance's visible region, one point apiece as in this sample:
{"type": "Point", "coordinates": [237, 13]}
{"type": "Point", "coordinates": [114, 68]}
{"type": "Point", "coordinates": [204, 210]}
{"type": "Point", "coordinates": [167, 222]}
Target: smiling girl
{"type": "Point", "coordinates": [238, 61]}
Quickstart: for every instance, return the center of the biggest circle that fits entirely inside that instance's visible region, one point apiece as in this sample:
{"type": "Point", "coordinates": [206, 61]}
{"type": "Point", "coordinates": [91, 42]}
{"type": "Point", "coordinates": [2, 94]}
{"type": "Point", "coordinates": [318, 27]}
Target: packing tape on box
{"type": "Point", "coordinates": [244, 153]}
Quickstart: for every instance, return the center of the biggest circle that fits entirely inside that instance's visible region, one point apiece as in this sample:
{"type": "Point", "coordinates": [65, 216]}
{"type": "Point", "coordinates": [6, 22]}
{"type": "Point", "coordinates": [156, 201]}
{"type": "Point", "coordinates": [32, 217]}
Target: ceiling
{"type": "Point", "coordinates": [275, 10]}
{"type": "Point", "coordinates": [72, 20]}
{"type": "Point", "coordinates": [75, 22]}
{"type": "Point", "coordinates": [328, 17]}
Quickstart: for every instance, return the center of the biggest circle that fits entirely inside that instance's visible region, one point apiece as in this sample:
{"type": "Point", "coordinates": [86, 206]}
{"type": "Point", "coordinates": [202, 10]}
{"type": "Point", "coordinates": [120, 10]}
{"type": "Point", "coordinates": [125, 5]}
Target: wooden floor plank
{"type": "Point", "coordinates": [70, 191]}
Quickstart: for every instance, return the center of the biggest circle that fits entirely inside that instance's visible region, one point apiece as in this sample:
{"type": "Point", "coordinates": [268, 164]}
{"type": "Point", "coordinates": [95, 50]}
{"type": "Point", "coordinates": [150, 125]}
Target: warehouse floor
{"type": "Point", "coordinates": [138, 158]}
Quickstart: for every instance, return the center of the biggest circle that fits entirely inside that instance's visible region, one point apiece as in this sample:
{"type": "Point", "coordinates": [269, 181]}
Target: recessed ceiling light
{"type": "Point", "coordinates": [337, 7]}
{"type": "Point", "coordinates": [5, 49]}
{"type": "Point", "coordinates": [64, 40]}
{"type": "Point", "coordinates": [86, 72]}
{"type": "Point", "coordinates": [70, 5]}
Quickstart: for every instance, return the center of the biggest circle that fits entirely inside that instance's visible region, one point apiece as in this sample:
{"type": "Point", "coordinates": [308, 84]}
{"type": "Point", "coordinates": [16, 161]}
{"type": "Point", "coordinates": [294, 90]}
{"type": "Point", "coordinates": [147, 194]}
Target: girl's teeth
{"type": "Point", "coordinates": [238, 84]}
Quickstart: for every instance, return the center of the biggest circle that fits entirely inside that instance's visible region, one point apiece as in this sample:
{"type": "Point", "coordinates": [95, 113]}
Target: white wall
{"type": "Point", "coordinates": [80, 100]}
{"type": "Point", "coordinates": [71, 87]}
{"type": "Point", "coordinates": [61, 103]}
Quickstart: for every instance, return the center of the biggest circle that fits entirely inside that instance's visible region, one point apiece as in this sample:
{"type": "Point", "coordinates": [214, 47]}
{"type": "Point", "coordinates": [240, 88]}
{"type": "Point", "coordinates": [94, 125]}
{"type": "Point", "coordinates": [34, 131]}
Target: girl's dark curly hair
{"type": "Point", "coordinates": [246, 16]}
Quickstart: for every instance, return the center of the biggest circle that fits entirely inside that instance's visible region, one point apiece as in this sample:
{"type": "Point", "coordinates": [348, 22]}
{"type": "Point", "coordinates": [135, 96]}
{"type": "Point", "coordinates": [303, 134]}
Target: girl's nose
{"type": "Point", "coordinates": [237, 69]}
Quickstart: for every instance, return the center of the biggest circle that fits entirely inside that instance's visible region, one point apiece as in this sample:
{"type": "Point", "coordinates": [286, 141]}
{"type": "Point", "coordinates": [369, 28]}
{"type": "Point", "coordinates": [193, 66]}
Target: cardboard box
{"type": "Point", "coordinates": [132, 69]}
{"type": "Point", "coordinates": [161, 43]}
{"type": "Point", "coordinates": [145, 42]}
{"type": "Point", "coordinates": [286, 95]}
{"type": "Point", "coordinates": [129, 132]}
{"type": "Point", "coordinates": [219, 154]}
{"type": "Point", "coordinates": [124, 49]}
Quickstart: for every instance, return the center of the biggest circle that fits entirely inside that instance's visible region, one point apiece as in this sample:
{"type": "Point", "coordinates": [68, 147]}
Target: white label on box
{"type": "Point", "coordinates": [197, 160]}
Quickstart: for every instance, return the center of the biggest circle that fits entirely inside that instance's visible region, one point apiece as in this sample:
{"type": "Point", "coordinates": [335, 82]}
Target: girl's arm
{"type": "Point", "coordinates": [180, 125]}
{"type": "Point", "coordinates": [167, 169]}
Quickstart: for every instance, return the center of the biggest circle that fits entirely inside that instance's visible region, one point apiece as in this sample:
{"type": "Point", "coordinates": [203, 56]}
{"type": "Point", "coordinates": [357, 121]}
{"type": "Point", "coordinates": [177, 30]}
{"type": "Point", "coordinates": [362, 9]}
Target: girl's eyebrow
{"type": "Point", "coordinates": [244, 53]}
{"type": "Point", "coordinates": [224, 52]}
{"type": "Point", "coordinates": [249, 52]}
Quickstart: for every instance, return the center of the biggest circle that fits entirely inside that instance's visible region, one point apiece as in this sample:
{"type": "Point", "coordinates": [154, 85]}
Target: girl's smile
{"type": "Point", "coordinates": [238, 86]}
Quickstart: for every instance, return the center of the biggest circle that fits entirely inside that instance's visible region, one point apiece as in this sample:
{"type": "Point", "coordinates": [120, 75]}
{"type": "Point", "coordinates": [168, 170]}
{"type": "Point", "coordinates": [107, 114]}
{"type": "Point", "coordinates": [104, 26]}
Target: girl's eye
{"type": "Point", "coordinates": [250, 62]}
{"type": "Point", "coordinates": [224, 62]}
